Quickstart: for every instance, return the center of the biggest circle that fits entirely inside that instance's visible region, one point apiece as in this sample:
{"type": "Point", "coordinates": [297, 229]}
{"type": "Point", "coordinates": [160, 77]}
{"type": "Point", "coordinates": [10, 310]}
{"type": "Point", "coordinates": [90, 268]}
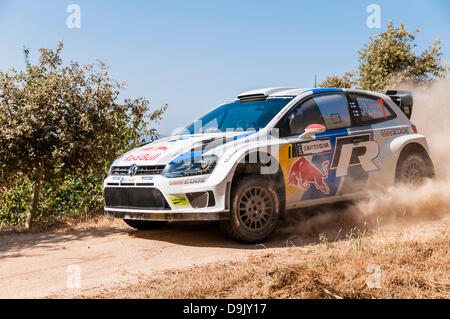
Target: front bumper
{"type": "Point", "coordinates": [156, 198]}
{"type": "Point", "coordinates": [167, 216]}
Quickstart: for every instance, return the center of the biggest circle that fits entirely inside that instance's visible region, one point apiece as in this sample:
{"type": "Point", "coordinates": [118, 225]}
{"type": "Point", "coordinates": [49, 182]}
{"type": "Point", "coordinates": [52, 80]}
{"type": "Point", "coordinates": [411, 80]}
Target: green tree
{"type": "Point", "coordinates": [346, 81]}
{"type": "Point", "coordinates": [389, 59]}
{"type": "Point", "coordinates": [56, 119]}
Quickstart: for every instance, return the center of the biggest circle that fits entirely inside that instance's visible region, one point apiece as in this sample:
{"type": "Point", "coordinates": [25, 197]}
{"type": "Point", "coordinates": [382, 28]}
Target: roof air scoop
{"type": "Point", "coordinates": [252, 97]}
{"type": "Point", "coordinates": [260, 94]}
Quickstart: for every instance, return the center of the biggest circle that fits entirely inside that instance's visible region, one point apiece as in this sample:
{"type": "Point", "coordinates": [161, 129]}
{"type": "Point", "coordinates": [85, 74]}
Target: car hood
{"type": "Point", "coordinates": [178, 147]}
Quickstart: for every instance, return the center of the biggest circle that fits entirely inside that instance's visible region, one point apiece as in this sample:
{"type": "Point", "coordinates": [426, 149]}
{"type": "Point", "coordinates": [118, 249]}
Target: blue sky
{"type": "Point", "coordinates": [194, 55]}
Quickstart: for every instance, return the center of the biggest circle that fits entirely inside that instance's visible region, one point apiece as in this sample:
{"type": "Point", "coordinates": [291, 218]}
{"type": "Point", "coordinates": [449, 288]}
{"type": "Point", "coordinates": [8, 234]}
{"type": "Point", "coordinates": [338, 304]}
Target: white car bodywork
{"type": "Point", "coordinates": [321, 176]}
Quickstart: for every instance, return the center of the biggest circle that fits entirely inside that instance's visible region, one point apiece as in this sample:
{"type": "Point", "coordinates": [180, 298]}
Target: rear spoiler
{"type": "Point", "coordinates": [403, 99]}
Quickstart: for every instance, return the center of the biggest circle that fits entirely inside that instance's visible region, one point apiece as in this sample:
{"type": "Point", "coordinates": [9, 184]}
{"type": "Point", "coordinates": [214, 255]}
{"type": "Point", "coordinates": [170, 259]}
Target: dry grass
{"type": "Point", "coordinates": [413, 265]}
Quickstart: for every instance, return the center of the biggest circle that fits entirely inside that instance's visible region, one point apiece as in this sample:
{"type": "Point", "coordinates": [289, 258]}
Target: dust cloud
{"type": "Point", "coordinates": [431, 115]}
{"type": "Point", "coordinates": [399, 203]}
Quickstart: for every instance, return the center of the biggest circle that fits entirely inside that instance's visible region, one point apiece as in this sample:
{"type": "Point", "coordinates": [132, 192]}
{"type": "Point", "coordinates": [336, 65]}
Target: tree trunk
{"type": "Point", "coordinates": [37, 190]}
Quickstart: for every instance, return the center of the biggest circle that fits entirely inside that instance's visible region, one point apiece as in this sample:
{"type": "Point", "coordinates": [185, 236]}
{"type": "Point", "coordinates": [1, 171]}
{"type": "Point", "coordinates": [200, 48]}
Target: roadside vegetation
{"type": "Point", "coordinates": [389, 60]}
{"type": "Point", "coordinates": [61, 125]}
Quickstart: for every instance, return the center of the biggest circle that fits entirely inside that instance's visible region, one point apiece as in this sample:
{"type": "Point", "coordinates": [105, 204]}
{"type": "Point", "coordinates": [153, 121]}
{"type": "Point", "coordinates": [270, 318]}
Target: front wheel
{"type": "Point", "coordinates": [255, 210]}
{"type": "Point", "coordinates": [144, 224]}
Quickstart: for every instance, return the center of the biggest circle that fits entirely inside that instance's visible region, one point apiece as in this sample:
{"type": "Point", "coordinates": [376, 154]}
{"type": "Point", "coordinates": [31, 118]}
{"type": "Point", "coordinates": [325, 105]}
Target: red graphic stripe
{"type": "Point", "coordinates": [382, 105]}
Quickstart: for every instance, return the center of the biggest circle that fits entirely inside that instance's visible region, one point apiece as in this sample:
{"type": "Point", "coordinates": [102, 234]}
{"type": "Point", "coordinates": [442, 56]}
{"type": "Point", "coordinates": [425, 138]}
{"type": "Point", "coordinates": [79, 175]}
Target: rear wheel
{"type": "Point", "coordinates": [144, 224]}
{"type": "Point", "coordinates": [413, 168]}
{"type": "Point", "coordinates": [255, 210]}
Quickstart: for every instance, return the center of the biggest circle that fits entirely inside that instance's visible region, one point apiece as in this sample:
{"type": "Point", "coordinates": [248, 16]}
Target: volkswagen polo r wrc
{"type": "Point", "coordinates": [248, 161]}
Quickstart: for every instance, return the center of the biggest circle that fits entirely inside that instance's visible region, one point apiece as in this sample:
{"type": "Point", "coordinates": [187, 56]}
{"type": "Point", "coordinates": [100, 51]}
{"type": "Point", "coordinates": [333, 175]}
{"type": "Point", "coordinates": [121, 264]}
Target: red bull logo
{"type": "Point", "coordinates": [303, 173]}
{"type": "Point", "coordinates": [142, 157]}
{"type": "Point", "coordinates": [149, 156]}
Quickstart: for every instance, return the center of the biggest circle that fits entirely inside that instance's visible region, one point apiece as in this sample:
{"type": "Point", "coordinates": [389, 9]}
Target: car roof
{"type": "Point", "coordinates": [291, 91]}
{"type": "Point", "coordinates": [273, 91]}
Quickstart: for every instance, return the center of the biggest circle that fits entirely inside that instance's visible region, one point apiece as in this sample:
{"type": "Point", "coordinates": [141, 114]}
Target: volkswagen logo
{"type": "Point", "coordinates": [132, 170]}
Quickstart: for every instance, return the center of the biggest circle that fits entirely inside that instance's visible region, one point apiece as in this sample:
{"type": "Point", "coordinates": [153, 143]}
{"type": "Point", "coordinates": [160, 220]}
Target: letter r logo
{"type": "Point", "coordinates": [367, 152]}
{"type": "Point", "coordinates": [354, 150]}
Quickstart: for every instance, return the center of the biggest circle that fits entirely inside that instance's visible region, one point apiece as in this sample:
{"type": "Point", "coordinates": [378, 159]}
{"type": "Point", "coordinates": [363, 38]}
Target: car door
{"type": "Point", "coordinates": [310, 167]}
{"type": "Point", "coordinates": [376, 124]}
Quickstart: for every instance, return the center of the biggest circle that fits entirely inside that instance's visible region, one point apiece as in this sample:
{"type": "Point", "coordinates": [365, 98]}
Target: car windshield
{"type": "Point", "coordinates": [238, 116]}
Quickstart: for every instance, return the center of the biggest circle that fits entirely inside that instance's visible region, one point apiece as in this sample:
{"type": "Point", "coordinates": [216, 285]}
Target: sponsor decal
{"type": "Point", "coordinates": [195, 180]}
{"type": "Point", "coordinates": [147, 178]}
{"type": "Point", "coordinates": [188, 181]}
{"type": "Point", "coordinates": [395, 131]}
{"type": "Point", "coordinates": [230, 156]}
{"type": "Point", "coordinates": [309, 148]}
{"type": "Point", "coordinates": [179, 200]}
{"type": "Point", "coordinates": [142, 157]}
{"type": "Point", "coordinates": [303, 173]}
{"type": "Point", "coordinates": [234, 153]}
{"type": "Point", "coordinates": [123, 179]}
{"type": "Point", "coordinates": [150, 154]}
{"type": "Point", "coordinates": [354, 109]}
{"type": "Point", "coordinates": [354, 150]}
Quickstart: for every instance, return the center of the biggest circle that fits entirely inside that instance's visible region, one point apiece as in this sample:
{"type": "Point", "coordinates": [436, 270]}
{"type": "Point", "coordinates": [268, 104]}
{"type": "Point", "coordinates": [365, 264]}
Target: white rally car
{"type": "Point", "coordinates": [270, 150]}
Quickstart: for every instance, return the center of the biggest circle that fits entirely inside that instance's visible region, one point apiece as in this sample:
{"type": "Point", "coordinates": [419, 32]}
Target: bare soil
{"type": "Point", "coordinates": [194, 260]}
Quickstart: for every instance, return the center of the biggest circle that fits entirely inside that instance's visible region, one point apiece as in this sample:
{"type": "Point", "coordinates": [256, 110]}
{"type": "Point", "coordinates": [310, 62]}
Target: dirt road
{"type": "Point", "coordinates": [41, 265]}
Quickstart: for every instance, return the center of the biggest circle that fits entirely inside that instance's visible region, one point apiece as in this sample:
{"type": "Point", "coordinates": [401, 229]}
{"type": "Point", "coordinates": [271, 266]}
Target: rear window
{"type": "Point", "coordinates": [369, 109]}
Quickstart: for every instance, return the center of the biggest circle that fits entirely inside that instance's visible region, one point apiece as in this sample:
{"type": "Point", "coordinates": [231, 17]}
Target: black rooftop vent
{"type": "Point", "coordinates": [252, 97]}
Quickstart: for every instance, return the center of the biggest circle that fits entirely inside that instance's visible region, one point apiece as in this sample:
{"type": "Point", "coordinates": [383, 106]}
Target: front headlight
{"type": "Point", "coordinates": [194, 166]}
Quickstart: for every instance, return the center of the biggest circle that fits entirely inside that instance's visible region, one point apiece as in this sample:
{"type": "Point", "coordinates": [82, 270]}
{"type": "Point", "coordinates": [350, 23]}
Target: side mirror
{"type": "Point", "coordinates": [311, 131]}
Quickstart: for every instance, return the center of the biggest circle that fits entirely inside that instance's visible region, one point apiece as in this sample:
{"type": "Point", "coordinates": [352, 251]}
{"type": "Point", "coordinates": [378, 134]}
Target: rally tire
{"type": "Point", "coordinates": [144, 224]}
{"type": "Point", "coordinates": [414, 168]}
{"type": "Point", "coordinates": [255, 210]}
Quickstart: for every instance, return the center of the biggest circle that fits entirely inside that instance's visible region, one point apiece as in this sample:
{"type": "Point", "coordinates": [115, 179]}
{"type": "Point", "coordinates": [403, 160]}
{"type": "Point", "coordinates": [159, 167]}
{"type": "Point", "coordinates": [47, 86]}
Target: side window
{"type": "Point", "coordinates": [371, 109]}
{"type": "Point", "coordinates": [330, 110]}
{"type": "Point", "coordinates": [301, 116]}
{"type": "Point", "coordinates": [334, 109]}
